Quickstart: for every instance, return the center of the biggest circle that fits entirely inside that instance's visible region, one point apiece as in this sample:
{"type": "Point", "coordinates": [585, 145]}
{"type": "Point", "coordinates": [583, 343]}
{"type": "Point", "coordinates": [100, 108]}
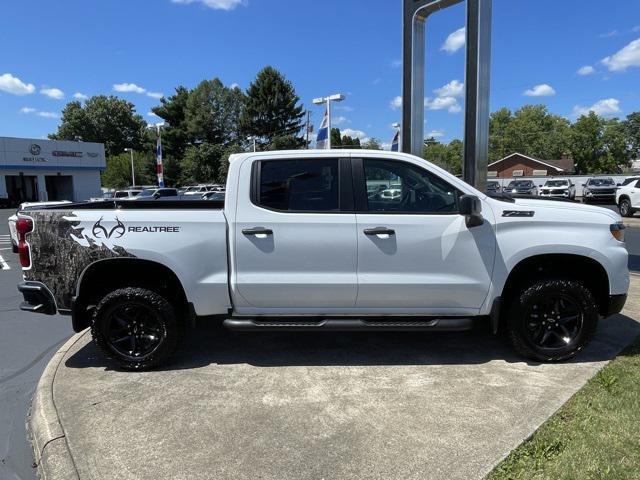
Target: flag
{"type": "Point", "coordinates": [159, 170]}
{"type": "Point", "coordinates": [395, 143]}
{"type": "Point", "coordinates": [322, 140]}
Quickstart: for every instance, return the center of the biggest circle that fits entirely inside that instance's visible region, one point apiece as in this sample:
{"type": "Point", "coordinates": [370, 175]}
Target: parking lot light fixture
{"type": "Point", "coordinates": [337, 97]}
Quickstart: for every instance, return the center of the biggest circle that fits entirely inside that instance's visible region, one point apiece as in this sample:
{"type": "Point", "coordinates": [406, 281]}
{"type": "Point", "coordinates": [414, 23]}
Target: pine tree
{"type": "Point", "coordinates": [272, 112]}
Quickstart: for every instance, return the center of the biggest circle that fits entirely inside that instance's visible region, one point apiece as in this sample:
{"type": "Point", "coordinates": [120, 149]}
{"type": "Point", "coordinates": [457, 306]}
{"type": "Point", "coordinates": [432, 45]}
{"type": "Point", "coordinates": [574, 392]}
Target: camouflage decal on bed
{"type": "Point", "coordinates": [64, 243]}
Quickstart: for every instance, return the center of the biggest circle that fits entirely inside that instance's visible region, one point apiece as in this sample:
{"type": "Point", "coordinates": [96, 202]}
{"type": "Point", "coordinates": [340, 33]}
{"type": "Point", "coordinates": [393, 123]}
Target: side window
{"type": "Point", "coordinates": [394, 186]}
{"type": "Point", "coordinates": [299, 185]}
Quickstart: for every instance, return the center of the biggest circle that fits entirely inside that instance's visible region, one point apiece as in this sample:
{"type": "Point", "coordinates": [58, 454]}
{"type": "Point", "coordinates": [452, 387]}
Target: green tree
{"type": "Point", "coordinates": [632, 132]}
{"type": "Point", "coordinates": [272, 109]}
{"type": "Point", "coordinates": [336, 139]}
{"type": "Point", "coordinates": [372, 144]}
{"type": "Point", "coordinates": [117, 174]}
{"type": "Point", "coordinates": [499, 145]}
{"type": "Point", "coordinates": [447, 156]}
{"type": "Point", "coordinates": [201, 163]}
{"type": "Point", "coordinates": [175, 138]}
{"type": "Point", "coordinates": [211, 113]}
{"type": "Point", "coordinates": [109, 120]}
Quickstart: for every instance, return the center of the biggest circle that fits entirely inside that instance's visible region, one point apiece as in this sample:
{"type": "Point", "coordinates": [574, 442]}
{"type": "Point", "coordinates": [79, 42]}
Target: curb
{"type": "Point", "coordinates": [44, 430]}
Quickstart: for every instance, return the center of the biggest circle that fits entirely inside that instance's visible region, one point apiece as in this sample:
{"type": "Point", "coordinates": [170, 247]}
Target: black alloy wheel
{"type": "Point", "coordinates": [554, 321]}
{"type": "Point", "coordinates": [625, 208]}
{"type": "Point", "coordinates": [134, 330]}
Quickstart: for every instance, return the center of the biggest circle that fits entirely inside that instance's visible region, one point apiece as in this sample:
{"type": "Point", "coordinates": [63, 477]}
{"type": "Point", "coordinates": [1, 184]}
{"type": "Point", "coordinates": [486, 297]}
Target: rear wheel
{"type": "Point", "coordinates": [136, 327]}
{"type": "Point", "coordinates": [625, 208]}
{"type": "Point", "coordinates": [552, 320]}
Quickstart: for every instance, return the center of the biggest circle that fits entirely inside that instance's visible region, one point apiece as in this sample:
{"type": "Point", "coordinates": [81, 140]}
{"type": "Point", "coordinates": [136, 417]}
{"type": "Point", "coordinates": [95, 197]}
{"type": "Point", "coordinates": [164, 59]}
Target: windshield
{"type": "Point", "coordinates": [598, 182]}
{"type": "Point", "coordinates": [556, 183]}
{"type": "Point", "coordinates": [147, 193]}
{"type": "Point", "coordinates": [519, 184]}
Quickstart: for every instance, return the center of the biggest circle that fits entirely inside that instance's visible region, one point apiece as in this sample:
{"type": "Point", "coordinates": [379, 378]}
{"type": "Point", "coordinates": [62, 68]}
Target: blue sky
{"type": "Point", "coordinates": [51, 51]}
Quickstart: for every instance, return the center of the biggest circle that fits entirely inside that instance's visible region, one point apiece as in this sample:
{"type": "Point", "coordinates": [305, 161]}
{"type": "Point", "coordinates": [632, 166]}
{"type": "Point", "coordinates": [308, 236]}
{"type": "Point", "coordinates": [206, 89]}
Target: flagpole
{"type": "Point", "coordinates": [329, 122]}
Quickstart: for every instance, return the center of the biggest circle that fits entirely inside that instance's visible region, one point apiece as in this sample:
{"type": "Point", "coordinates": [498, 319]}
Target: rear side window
{"type": "Point", "coordinates": [121, 194]}
{"type": "Point", "coordinates": [299, 185]}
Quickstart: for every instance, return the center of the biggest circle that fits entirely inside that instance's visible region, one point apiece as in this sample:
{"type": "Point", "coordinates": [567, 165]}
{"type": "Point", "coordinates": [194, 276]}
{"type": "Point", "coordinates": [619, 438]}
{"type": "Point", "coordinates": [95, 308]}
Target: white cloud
{"type": "Point", "coordinates": [151, 114]}
{"type": "Point", "coordinates": [607, 107]}
{"type": "Point", "coordinates": [15, 86]}
{"type": "Point", "coordinates": [586, 70]}
{"type": "Point", "coordinates": [454, 88]}
{"type": "Point", "coordinates": [54, 93]}
{"type": "Point", "coordinates": [354, 133]}
{"type": "Point", "coordinates": [435, 134]}
{"type": "Point", "coordinates": [234, 85]}
{"type": "Point", "coordinates": [396, 103]}
{"type": "Point", "coordinates": [80, 96]}
{"type": "Point", "coordinates": [27, 110]}
{"type": "Point", "coordinates": [542, 90]}
{"type": "Point", "coordinates": [455, 41]}
{"type": "Point", "coordinates": [128, 87]}
{"type": "Point", "coordinates": [629, 56]}
{"type": "Point", "coordinates": [612, 33]}
{"type": "Point", "coordinates": [338, 120]}
{"type": "Point", "coordinates": [47, 114]}
{"type": "Point", "coordinates": [157, 95]}
{"type": "Point", "coordinates": [396, 63]}
{"type": "Point", "coordinates": [215, 4]}
{"type": "Point", "coordinates": [441, 103]}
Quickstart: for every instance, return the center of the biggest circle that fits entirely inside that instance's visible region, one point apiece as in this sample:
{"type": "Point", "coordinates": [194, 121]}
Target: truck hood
{"type": "Point", "coordinates": [563, 211]}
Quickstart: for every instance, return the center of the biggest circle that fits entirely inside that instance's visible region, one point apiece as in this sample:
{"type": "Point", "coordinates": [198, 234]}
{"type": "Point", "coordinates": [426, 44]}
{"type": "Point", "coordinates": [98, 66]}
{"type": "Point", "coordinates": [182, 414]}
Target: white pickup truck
{"type": "Point", "coordinates": [304, 240]}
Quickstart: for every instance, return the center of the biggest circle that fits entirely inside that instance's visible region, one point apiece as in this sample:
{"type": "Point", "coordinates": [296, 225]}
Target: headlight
{"type": "Point", "coordinates": [617, 230]}
{"type": "Point", "coordinates": [514, 191]}
{"type": "Point", "coordinates": [586, 191]}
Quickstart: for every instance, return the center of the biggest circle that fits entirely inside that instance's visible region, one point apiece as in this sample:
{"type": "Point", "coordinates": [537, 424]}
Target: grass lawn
{"type": "Point", "coordinates": [595, 435]}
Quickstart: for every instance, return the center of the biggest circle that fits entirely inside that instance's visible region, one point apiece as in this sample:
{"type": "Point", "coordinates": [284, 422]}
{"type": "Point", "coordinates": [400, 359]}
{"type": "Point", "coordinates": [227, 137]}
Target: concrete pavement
{"type": "Point", "coordinates": [306, 406]}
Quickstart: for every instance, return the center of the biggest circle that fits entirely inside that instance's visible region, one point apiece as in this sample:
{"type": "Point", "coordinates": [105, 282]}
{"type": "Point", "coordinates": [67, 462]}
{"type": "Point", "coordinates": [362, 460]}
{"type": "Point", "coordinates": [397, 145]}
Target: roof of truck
{"type": "Point", "coordinates": [311, 152]}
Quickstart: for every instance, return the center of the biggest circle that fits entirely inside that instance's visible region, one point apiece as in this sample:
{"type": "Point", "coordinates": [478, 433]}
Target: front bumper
{"type": "Point", "coordinates": [615, 304]}
{"type": "Point", "coordinates": [37, 298]}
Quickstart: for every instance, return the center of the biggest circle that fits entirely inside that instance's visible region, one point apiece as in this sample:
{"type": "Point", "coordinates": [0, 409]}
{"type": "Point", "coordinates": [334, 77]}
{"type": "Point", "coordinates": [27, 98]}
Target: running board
{"type": "Point", "coordinates": [350, 324]}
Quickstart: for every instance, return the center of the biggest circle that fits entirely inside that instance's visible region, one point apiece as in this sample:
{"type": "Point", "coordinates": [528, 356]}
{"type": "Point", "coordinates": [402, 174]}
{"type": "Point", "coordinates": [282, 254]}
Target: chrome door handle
{"type": "Point", "coordinates": [379, 231]}
{"type": "Point", "coordinates": [257, 231]}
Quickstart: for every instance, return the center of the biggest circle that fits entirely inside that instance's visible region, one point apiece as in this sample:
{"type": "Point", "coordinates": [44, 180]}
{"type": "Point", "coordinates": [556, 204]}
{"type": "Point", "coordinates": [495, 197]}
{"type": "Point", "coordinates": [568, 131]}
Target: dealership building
{"type": "Point", "coordinates": [34, 170]}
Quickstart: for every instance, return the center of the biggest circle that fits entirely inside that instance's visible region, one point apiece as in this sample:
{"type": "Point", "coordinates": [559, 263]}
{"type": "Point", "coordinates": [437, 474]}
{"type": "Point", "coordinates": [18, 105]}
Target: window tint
{"type": "Point", "coordinates": [627, 181]}
{"type": "Point", "coordinates": [299, 185]}
{"type": "Point", "coordinates": [121, 194]}
{"type": "Point", "coordinates": [394, 186]}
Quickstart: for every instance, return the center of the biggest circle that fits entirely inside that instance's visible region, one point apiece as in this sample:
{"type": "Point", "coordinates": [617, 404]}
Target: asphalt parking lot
{"type": "Point", "coordinates": [28, 341]}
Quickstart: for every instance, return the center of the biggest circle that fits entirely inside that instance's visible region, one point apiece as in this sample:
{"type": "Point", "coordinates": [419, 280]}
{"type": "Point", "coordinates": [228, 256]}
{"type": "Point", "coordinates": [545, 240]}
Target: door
{"type": "Point", "coordinates": [635, 194]}
{"type": "Point", "coordinates": [295, 241]}
{"type": "Point", "coordinates": [415, 253]}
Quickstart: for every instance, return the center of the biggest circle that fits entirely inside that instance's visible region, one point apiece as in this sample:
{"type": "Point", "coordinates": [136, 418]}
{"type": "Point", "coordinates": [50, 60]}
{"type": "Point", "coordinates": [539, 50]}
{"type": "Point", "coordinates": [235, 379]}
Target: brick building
{"type": "Point", "coordinates": [519, 165]}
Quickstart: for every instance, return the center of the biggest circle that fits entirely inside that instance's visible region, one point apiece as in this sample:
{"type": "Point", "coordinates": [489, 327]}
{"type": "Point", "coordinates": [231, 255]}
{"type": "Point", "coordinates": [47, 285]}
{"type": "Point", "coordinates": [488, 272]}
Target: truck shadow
{"type": "Point", "coordinates": [211, 344]}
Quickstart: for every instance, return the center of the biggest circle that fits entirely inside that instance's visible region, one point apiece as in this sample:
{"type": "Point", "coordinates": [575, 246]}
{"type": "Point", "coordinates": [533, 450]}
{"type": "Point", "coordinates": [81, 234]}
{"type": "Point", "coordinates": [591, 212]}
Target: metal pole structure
{"type": "Point", "coordinates": [254, 144]}
{"type": "Point", "coordinates": [477, 78]}
{"type": "Point", "coordinates": [329, 121]}
{"type": "Point", "coordinates": [133, 171]}
{"type": "Point", "coordinates": [308, 126]}
{"type": "Point", "coordinates": [478, 47]}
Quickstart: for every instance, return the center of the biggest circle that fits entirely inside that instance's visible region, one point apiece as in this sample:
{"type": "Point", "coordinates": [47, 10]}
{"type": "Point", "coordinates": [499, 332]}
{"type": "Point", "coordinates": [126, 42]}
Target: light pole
{"type": "Point", "coordinates": [338, 97]}
{"type": "Point", "coordinates": [159, 169]}
{"type": "Point", "coordinates": [133, 172]}
{"type": "Point", "coordinates": [253, 139]}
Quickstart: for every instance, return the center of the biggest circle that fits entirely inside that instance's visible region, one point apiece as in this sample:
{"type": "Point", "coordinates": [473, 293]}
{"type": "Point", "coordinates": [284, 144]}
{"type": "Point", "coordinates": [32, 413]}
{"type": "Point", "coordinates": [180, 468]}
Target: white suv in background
{"type": "Point", "coordinates": [558, 187]}
{"type": "Point", "coordinates": [628, 196]}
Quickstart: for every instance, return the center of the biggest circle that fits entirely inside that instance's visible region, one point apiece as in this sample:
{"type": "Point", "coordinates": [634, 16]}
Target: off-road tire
{"type": "Point", "coordinates": [624, 206]}
{"type": "Point", "coordinates": [516, 319]}
{"type": "Point", "coordinates": [171, 326]}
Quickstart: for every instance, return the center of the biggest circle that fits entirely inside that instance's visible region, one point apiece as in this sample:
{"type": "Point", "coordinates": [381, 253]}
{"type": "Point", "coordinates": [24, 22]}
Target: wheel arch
{"type": "Point", "coordinates": [105, 275]}
{"type": "Point", "coordinates": [557, 265]}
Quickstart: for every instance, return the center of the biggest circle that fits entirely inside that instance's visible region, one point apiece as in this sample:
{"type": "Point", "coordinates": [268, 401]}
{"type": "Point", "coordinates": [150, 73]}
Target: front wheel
{"type": "Point", "coordinates": [625, 208]}
{"type": "Point", "coordinates": [552, 320]}
{"type": "Point", "coordinates": [136, 327]}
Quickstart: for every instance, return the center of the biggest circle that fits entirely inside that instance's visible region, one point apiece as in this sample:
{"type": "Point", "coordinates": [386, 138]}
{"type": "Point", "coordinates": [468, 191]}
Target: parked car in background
{"type": "Point", "coordinates": [198, 189]}
{"type": "Point", "coordinates": [493, 188]}
{"type": "Point", "coordinates": [628, 196]}
{"type": "Point", "coordinates": [599, 189]}
{"type": "Point", "coordinates": [558, 187]}
{"type": "Point", "coordinates": [127, 193]}
{"type": "Point", "coordinates": [213, 196]}
{"type": "Point", "coordinates": [155, 193]}
{"type": "Point", "coordinates": [522, 187]}
{"type": "Point", "coordinates": [25, 206]}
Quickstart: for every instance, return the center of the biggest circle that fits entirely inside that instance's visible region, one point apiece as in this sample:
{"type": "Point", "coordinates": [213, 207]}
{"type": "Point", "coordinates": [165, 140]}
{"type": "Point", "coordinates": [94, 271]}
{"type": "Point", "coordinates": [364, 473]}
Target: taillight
{"type": "Point", "coordinates": [24, 226]}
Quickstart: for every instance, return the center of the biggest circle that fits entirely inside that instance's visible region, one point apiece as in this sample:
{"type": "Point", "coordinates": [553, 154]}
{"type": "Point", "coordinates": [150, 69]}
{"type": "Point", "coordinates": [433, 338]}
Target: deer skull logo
{"type": "Point", "coordinates": [98, 230]}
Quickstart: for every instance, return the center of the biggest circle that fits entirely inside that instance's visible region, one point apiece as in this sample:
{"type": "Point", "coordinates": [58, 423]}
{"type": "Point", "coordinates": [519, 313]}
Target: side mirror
{"type": "Point", "coordinates": [471, 208]}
